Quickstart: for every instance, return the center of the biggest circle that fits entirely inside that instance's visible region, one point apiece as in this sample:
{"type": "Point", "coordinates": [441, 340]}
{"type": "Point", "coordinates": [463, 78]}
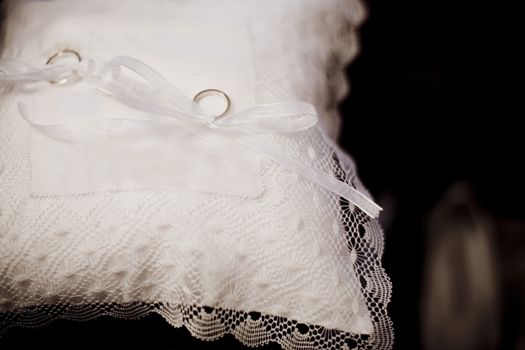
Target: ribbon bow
{"type": "Point", "coordinates": [160, 97]}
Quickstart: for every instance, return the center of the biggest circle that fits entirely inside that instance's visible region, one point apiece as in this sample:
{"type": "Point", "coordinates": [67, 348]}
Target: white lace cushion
{"type": "Point", "coordinates": [155, 215]}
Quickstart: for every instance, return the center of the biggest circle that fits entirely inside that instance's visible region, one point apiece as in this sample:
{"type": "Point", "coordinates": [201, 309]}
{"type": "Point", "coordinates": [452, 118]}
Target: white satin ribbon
{"type": "Point", "coordinates": [160, 97]}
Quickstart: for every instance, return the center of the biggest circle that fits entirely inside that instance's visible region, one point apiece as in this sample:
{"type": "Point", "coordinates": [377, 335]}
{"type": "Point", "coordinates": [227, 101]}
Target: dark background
{"type": "Point", "coordinates": [431, 104]}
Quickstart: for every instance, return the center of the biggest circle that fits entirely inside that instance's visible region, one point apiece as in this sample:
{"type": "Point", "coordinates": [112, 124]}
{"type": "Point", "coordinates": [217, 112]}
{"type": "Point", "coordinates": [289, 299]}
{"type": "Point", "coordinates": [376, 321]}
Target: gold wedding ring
{"type": "Point", "coordinates": [56, 57]}
{"type": "Point", "coordinates": [199, 96]}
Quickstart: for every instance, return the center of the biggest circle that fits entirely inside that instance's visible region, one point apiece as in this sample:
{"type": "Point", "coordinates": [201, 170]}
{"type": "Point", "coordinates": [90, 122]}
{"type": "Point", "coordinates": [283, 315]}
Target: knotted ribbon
{"type": "Point", "coordinates": [160, 98]}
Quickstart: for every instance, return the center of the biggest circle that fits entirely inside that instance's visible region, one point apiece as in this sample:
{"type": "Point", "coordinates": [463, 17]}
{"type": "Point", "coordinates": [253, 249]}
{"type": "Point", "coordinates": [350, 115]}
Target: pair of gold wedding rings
{"type": "Point", "coordinates": [69, 53]}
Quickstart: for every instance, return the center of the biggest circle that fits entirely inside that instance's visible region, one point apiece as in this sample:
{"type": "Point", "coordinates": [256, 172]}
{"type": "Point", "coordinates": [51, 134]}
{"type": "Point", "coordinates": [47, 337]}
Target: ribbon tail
{"type": "Point", "coordinates": [321, 178]}
{"type": "Point", "coordinates": [79, 131]}
{"type": "Point", "coordinates": [13, 70]}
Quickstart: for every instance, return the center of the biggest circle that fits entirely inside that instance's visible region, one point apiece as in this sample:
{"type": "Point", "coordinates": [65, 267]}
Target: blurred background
{"type": "Point", "coordinates": [431, 124]}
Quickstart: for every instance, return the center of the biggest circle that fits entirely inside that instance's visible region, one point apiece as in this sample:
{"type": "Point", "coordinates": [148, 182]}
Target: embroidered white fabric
{"type": "Point", "coordinates": [212, 236]}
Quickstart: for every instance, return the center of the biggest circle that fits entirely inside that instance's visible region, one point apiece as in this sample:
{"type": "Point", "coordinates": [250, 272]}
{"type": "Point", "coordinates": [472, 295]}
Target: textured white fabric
{"type": "Point", "coordinates": [164, 155]}
{"type": "Point", "coordinates": [235, 231]}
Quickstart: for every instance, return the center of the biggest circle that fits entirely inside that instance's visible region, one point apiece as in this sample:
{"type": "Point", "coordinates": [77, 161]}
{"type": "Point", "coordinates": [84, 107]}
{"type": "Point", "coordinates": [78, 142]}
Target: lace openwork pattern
{"type": "Point", "coordinates": [49, 271]}
{"type": "Point", "coordinates": [297, 265]}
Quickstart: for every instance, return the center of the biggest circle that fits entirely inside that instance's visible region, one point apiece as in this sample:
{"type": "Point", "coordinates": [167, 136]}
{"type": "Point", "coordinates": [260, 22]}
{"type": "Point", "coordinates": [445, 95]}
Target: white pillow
{"type": "Point", "coordinates": [203, 233]}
